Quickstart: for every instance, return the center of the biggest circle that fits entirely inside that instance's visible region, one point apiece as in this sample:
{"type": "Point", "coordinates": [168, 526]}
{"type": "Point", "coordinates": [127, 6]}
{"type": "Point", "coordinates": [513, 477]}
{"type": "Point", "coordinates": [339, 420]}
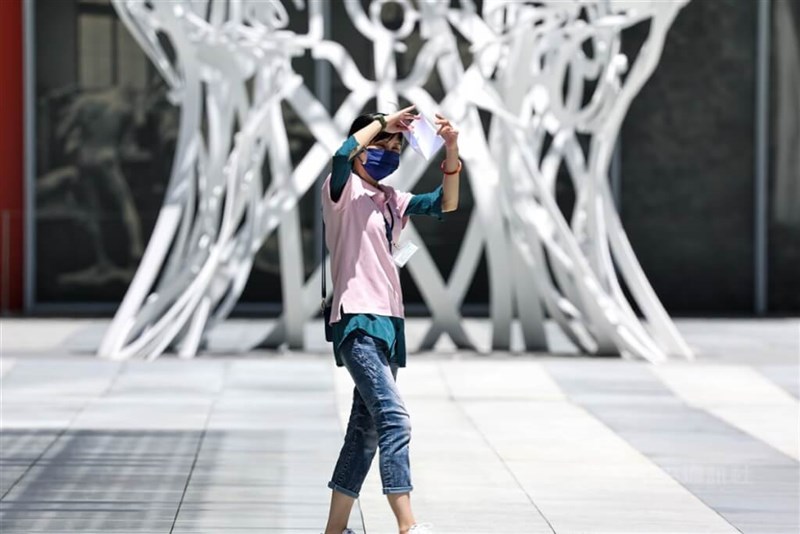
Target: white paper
{"type": "Point", "coordinates": [423, 138]}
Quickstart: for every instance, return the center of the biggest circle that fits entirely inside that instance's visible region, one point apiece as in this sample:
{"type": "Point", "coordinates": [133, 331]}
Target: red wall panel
{"type": "Point", "coordinates": [12, 156]}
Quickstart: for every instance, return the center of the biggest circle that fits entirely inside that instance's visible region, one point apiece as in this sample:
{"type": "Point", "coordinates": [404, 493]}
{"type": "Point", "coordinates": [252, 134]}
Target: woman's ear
{"type": "Point", "coordinates": [357, 160]}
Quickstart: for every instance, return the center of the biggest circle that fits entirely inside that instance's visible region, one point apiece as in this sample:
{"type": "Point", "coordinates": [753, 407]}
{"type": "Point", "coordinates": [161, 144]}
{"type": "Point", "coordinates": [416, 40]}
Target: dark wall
{"type": "Point", "coordinates": [56, 42]}
{"type": "Point", "coordinates": [784, 183]}
{"type": "Point", "coordinates": [105, 140]}
{"type": "Point", "coordinates": [103, 152]}
{"type": "Point", "coordinates": [688, 160]}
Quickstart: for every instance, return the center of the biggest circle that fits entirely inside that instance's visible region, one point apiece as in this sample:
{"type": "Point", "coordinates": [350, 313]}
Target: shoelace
{"type": "Point", "coordinates": [422, 528]}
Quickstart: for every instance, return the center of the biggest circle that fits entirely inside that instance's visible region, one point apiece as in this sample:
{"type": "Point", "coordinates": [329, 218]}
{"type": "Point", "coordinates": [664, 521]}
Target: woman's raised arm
{"type": "Point", "coordinates": [397, 122]}
{"type": "Point", "coordinates": [451, 167]}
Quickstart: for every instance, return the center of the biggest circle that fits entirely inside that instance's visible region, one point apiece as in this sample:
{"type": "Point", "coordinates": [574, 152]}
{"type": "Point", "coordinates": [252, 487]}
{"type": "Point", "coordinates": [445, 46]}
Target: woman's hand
{"type": "Point", "coordinates": [447, 132]}
{"type": "Point", "coordinates": [400, 121]}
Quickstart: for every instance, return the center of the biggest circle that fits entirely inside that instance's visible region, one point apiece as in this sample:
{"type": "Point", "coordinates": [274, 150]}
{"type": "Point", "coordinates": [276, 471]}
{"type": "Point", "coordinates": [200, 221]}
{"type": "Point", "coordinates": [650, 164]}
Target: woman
{"type": "Point", "coordinates": [361, 216]}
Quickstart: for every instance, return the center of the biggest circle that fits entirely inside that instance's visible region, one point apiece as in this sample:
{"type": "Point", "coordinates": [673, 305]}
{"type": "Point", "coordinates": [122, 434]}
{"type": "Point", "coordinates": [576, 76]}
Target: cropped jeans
{"type": "Point", "coordinates": [378, 419]}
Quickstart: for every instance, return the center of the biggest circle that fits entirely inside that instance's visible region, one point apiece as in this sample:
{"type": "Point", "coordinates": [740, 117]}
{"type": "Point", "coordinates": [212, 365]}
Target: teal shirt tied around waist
{"type": "Point", "coordinates": [389, 330]}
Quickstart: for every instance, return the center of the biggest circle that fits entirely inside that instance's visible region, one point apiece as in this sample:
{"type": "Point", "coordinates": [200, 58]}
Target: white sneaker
{"type": "Point", "coordinates": [348, 531]}
{"type": "Point", "coordinates": [421, 528]}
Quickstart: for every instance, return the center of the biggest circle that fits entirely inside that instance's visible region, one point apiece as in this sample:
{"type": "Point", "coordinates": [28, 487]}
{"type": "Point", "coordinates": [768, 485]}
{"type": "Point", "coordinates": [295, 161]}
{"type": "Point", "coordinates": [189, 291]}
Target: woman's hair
{"type": "Point", "coordinates": [365, 119]}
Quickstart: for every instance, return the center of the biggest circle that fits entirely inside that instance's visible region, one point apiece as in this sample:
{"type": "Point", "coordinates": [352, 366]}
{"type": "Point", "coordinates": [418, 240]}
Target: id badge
{"type": "Point", "coordinates": [403, 253]}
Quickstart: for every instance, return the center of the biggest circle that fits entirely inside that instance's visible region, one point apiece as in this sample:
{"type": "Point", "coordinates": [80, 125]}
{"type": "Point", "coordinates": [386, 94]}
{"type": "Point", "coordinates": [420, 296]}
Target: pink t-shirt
{"type": "Point", "coordinates": [365, 278]}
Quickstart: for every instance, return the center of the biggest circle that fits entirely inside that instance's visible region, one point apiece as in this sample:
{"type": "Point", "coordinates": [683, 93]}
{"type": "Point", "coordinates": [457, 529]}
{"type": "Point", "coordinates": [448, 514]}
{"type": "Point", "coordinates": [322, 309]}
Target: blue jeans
{"type": "Point", "coordinates": [378, 418]}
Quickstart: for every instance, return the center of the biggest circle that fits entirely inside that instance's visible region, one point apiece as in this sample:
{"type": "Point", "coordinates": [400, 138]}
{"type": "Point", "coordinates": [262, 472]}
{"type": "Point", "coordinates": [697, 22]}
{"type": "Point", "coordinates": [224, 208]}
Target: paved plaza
{"type": "Point", "coordinates": [245, 442]}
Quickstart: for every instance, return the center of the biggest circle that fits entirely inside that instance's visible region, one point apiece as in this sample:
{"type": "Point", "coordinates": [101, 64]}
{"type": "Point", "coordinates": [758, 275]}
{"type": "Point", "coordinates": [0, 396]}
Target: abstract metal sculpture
{"type": "Point", "coordinates": [557, 86]}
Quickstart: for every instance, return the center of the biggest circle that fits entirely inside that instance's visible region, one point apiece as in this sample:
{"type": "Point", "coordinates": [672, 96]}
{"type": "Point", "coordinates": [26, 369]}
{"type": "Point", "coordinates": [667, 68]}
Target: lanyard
{"type": "Point", "coordinates": [389, 227]}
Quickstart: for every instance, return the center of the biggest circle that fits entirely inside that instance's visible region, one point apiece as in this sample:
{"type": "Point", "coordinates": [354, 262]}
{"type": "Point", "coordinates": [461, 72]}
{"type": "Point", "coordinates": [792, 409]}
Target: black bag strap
{"type": "Point", "coordinates": [323, 278]}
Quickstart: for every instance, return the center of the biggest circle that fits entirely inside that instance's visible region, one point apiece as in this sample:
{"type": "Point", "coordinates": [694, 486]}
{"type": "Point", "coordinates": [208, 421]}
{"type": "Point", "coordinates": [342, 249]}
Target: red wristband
{"type": "Point", "coordinates": [458, 169]}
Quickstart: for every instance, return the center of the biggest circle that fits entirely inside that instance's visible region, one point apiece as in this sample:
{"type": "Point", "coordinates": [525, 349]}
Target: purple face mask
{"type": "Point", "coordinates": [381, 163]}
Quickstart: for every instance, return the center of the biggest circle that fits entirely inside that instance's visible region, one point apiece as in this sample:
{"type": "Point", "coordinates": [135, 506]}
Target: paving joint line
{"type": "Point", "coordinates": [452, 398]}
{"type": "Point", "coordinates": [200, 444]}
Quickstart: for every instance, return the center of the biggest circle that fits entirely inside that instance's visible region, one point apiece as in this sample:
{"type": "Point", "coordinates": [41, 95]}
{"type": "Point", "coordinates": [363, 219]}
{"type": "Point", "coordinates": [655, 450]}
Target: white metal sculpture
{"type": "Point", "coordinates": [548, 72]}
